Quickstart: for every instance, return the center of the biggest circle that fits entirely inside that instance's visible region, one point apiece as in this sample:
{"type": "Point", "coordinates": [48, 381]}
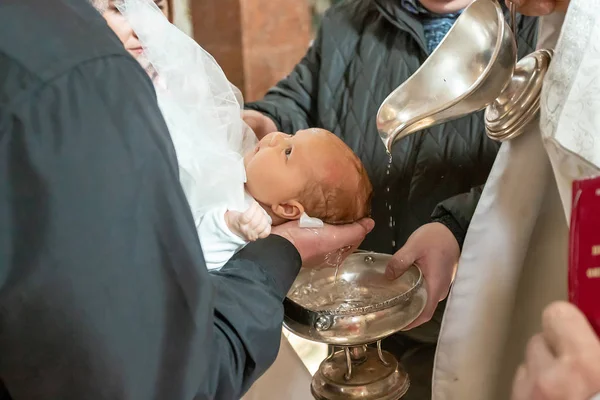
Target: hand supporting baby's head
{"type": "Point", "coordinates": [314, 172]}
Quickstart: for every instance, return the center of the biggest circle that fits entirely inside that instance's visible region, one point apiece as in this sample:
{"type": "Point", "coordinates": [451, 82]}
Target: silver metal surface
{"type": "Point", "coordinates": [513, 18]}
{"type": "Point", "coordinates": [519, 102]}
{"type": "Point", "coordinates": [362, 306]}
{"type": "Point", "coordinates": [371, 379]}
{"type": "Point", "coordinates": [473, 68]}
{"type": "Point", "coordinates": [467, 71]}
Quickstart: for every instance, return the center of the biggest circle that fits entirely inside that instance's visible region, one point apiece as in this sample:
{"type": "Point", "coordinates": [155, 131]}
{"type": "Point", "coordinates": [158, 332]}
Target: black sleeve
{"type": "Point", "coordinates": [291, 104]}
{"type": "Point", "coordinates": [456, 212]}
{"type": "Point", "coordinates": [104, 293]}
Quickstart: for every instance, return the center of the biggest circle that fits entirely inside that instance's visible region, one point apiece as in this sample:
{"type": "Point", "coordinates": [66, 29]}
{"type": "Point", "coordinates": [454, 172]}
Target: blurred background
{"type": "Point", "coordinates": [256, 42]}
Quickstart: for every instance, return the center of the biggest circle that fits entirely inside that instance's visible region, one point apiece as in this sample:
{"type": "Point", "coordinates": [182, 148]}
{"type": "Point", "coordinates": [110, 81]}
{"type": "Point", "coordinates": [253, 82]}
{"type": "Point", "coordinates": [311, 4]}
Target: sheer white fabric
{"type": "Point", "coordinates": [201, 107]}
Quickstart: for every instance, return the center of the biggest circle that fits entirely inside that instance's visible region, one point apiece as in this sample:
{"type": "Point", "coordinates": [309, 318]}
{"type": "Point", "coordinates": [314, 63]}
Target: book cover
{"type": "Point", "coordinates": [584, 249]}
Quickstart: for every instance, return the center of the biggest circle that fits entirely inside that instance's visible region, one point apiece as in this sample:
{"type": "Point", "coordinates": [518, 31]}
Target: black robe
{"type": "Point", "coordinates": [104, 293]}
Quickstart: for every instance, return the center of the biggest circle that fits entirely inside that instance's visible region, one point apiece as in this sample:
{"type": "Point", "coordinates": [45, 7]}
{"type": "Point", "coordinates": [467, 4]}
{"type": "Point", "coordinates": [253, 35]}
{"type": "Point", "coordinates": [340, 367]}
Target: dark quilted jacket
{"type": "Point", "coordinates": [364, 50]}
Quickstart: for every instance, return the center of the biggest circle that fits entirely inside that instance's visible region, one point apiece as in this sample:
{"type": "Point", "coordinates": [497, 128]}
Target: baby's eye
{"type": "Point", "coordinates": [288, 151]}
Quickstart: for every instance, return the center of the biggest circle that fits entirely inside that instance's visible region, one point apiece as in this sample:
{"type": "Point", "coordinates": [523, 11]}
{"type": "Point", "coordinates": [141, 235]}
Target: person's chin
{"type": "Point", "coordinates": [135, 53]}
{"type": "Point", "coordinates": [445, 6]}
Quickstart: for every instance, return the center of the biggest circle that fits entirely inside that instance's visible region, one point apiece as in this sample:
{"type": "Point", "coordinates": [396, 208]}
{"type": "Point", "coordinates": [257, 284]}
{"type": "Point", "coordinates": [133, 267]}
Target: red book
{"type": "Point", "coordinates": [584, 250]}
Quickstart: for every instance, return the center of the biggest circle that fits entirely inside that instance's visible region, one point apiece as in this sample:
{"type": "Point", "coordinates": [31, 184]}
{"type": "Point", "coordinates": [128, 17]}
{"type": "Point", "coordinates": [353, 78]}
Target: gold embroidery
{"type": "Point", "coordinates": [593, 272]}
{"type": "Point", "coordinates": [596, 250]}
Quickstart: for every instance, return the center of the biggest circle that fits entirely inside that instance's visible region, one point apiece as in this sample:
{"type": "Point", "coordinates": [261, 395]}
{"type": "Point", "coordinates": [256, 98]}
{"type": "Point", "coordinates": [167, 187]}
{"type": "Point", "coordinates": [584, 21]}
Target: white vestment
{"type": "Point", "coordinates": [514, 260]}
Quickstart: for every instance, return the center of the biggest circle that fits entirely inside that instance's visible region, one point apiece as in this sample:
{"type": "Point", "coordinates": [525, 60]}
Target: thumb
{"type": "Point", "coordinates": [352, 234]}
{"type": "Point", "coordinates": [232, 220]}
{"type": "Point", "coordinates": [367, 223]}
{"type": "Point", "coordinates": [400, 262]}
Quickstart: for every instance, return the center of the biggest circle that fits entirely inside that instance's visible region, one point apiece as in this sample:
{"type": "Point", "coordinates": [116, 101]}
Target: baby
{"type": "Point", "coordinates": [312, 172]}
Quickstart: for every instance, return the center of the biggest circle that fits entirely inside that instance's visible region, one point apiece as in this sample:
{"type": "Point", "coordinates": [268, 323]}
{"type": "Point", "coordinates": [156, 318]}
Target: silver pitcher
{"type": "Point", "coordinates": [473, 68]}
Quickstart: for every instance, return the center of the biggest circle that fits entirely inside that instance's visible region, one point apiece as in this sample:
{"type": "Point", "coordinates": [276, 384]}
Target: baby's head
{"type": "Point", "coordinates": [313, 172]}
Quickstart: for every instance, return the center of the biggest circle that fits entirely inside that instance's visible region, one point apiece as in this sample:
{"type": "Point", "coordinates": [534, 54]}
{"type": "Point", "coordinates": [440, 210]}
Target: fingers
{"type": "Point", "coordinates": [520, 388]}
{"type": "Point", "coordinates": [560, 363]}
{"type": "Point", "coordinates": [258, 228]}
{"type": "Point", "coordinates": [250, 213]}
{"type": "Point", "coordinates": [400, 262]}
{"type": "Point", "coordinates": [368, 224]}
{"type": "Point", "coordinates": [566, 329]}
{"type": "Point", "coordinates": [265, 232]}
{"type": "Point", "coordinates": [437, 276]}
{"type": "Point", "coordinates": [436, 291]}
{"type": "Point", "coordinates": [348, 234]}
{"type": "Point", "coordinates": [255, 223]}
{"type": "Point", "coordinates": [425, 316]}
{"type": "Point", "coordinates": [538, 355]}
{"type": "Point", "coordinates": [314, 244]}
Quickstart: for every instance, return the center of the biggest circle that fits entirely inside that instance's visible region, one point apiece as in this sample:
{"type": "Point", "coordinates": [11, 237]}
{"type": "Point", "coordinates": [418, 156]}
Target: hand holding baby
{"type": "Point", "coordinates": [252, 224]}
{"type": "Point", "coordinates": [314, 245]}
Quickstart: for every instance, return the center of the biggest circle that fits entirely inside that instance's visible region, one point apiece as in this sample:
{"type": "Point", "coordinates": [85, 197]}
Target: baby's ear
{"type": "Point", "coordinates": [290, 210]}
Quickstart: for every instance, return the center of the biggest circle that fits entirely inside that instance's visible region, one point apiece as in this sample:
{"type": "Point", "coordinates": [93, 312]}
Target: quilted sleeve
{"type": "Point", "coordinates": [456, 212]}
{"type": "Point", "coordinates": [291, 103]}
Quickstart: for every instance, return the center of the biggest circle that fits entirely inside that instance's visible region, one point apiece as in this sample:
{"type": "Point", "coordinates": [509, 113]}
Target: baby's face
{"type": "Point", "coordinates": [282, 166]}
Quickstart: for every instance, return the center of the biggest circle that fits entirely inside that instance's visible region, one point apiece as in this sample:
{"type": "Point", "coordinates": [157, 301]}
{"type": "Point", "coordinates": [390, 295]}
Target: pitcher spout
{"type": "Point", "coordinates": [466, 73]}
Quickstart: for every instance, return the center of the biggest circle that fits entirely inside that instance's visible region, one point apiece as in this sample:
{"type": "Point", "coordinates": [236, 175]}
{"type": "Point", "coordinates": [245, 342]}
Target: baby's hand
{"type": "Point", "coordinates": [252, 224]}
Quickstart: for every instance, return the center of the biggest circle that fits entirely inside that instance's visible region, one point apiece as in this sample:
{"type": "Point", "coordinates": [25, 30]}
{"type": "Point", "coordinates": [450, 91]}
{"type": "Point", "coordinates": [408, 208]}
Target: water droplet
{"type": "Point", "coordinates": [389, 165]}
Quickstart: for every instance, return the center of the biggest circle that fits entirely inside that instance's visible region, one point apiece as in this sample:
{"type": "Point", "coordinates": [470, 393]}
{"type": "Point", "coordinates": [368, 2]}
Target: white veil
{"type": "Point", "coordinates": [201, 107]}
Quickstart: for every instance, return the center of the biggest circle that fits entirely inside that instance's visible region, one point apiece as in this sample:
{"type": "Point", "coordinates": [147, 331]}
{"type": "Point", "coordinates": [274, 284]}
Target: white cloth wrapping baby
{"type": "Point", "coordinates": [202, 110]}
{"type": "Point", "coordinates": [201, 107]}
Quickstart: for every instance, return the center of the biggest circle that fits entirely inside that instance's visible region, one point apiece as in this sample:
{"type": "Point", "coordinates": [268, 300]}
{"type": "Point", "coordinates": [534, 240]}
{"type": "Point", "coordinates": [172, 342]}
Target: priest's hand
{"type": "Point", "coordinates": [434, 249]}
{"type": "Point", "coordinates": [315, 244]}
{"type": "Point", "coordinates": [536, 8]}
{"type": "Point", "coordinates": [562, 362]}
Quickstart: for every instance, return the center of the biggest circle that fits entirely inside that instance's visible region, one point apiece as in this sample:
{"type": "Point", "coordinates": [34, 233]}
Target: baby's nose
{"type": "Point", "coordinates": [276, 140]}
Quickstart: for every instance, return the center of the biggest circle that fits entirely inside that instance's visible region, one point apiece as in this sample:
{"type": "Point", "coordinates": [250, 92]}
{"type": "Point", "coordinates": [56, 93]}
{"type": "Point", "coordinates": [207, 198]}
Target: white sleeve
{"type": "Point", "coordinates": [218, 243]}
